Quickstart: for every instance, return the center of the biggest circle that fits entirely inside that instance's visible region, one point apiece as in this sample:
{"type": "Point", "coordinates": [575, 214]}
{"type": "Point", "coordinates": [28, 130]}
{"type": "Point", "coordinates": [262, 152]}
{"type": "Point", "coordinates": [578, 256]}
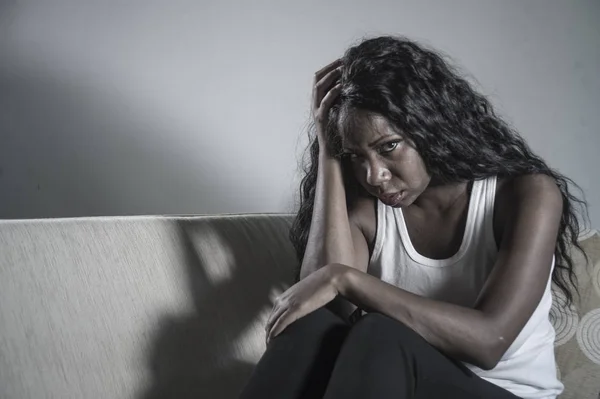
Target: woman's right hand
{"type": "Point", "coordinates": [324, 94]}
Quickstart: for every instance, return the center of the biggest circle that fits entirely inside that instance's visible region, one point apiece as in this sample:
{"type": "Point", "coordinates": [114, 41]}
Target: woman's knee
{"type": "Point", "coordinates": [317, 322]}
{"type": "Point", "coordinates": [378, 342]}
{"type": "Point", "coordinates": [381, 327]}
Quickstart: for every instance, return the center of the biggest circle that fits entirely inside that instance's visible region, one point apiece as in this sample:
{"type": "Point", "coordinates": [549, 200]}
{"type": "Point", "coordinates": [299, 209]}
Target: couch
{"type": "Point", "coordinates": [150, 307]}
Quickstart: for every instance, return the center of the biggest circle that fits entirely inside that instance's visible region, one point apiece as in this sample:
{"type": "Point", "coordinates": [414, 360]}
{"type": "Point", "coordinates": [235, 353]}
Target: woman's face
{"type": "Point", "coordinates": [385, 164]}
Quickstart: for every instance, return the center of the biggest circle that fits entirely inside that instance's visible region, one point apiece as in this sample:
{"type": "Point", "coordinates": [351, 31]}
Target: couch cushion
{"type": "Point", "coordinates": [578, 327]}
{"type": "Point", "coordinates": [137, 307]}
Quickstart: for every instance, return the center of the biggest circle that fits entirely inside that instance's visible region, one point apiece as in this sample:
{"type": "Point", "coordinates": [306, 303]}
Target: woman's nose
{"type": "Point", "coordinates": [377, 174]}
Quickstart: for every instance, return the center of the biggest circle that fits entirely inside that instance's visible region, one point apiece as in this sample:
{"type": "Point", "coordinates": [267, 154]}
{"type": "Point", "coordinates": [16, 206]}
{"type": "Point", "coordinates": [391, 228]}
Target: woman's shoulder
{"type": "Point", "coordinates": [514, 190]}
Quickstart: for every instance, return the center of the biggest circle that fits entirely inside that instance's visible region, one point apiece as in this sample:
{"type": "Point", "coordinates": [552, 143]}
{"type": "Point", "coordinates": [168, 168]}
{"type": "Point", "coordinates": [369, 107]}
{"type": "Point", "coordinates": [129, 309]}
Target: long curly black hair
{"type": "Point", "coordinates": [453, 127]}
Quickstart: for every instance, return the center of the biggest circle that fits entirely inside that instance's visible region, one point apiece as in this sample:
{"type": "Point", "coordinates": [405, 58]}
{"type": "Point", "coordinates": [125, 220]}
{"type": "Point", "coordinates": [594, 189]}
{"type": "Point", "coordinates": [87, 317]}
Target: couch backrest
{"type": "Point", "coordinates": [137, 307]}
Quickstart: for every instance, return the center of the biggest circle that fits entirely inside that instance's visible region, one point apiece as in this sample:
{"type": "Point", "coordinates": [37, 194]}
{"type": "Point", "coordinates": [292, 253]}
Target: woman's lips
{"type": "Point", "coordinates": [391, 199]}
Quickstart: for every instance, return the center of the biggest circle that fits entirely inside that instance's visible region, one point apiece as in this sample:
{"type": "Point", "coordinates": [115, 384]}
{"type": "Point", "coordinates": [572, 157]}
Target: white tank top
{"type": "Point", "coordinates": [527, 369]}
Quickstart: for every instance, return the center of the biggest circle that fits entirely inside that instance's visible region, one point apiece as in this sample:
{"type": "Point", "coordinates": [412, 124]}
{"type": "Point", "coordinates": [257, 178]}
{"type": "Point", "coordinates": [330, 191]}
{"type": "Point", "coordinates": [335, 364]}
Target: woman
{"type": "Point", "coordinates": [425, 216]}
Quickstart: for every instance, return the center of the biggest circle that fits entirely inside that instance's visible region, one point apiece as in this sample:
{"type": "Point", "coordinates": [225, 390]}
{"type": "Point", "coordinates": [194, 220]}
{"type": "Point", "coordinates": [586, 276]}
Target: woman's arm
{"type": "Point", "coordinates": [332, 235]}
{"type": "Point", "coordinates": [480, 335]}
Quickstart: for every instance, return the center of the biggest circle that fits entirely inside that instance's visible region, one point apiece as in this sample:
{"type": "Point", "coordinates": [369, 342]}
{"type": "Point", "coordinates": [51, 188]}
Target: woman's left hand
{"type": "Point", "coordinates": [304, 297]}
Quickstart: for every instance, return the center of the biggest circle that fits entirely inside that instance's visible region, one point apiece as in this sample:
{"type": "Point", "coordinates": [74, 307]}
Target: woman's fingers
{"type": "Point", "coordinates": [323, 80]}
{"type": "Point", "coordinates": [326, 69]}
{"type": "Point", "coordinates": [328, 100]}
{"type": "Point", "coordinates": [325, 91]}
{"type": "Point", "coordinates": [280, 324]}
{"type": "Point", "coordinates": [275, 314]}
{"type": "Point", "coordinates": [323, 86]}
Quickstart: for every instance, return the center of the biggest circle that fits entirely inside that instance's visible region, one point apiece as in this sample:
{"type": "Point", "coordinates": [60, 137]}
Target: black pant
{"type": "Point", "coordinates": [321, 356]}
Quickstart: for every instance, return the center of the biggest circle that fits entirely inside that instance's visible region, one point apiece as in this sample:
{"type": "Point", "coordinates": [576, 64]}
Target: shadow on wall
{"type": "Point", "coordinates": [70, 147]}
{"type": "Point", "coordinates": [233, 269]}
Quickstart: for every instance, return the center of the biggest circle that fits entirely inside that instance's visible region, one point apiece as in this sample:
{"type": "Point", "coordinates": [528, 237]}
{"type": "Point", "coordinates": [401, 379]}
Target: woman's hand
{"type": "Point", "coordinates": [324, 94]}
{"type": "Point", "coordinates": [304, 297]}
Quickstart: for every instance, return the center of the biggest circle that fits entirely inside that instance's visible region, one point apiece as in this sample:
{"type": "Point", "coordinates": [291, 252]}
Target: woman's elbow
{"type": "Point", "coordinates": [488, 363]}
{"type": "Point", "coordinates": [492, 352]}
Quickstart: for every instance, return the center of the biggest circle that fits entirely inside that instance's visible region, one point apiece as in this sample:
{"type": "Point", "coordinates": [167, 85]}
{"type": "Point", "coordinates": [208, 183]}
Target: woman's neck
{"type": "Point", "coordinates": [443, 197]}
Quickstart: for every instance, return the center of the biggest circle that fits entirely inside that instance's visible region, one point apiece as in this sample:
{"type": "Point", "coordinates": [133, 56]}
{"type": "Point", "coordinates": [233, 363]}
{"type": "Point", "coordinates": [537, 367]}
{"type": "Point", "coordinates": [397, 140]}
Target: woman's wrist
{"type": "Point", "coordinates": [326, 155]}
{"type": "Point", "coordinates": [339, 277]}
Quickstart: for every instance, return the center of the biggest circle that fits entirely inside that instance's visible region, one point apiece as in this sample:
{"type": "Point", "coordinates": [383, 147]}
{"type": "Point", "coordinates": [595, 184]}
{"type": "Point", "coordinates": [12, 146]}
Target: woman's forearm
{"type": "Point", "coordinates": [463, 333]}
{"type": "Point", "coordinates": [329, 238]}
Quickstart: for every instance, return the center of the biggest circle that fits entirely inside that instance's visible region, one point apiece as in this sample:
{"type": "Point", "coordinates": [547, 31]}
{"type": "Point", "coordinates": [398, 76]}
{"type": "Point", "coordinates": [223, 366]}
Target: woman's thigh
{"type": "Point", "coordinates": [381, 357]}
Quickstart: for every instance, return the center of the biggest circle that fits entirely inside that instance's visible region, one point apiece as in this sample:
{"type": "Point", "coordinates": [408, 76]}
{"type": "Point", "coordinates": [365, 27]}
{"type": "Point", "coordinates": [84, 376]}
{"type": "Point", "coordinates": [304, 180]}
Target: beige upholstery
{"type": "Point", "coordinates": [136, 307]}
{"type": "Point", "coordinates": [578, 328]}
{"type": "Point", "coordinates": [161, 307]}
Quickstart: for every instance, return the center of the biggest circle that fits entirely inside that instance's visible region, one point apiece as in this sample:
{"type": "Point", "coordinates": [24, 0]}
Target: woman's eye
{"type": "Point", "coordinates": [388, 147]}
{"type": "Point", "coordinates": [349, 155]}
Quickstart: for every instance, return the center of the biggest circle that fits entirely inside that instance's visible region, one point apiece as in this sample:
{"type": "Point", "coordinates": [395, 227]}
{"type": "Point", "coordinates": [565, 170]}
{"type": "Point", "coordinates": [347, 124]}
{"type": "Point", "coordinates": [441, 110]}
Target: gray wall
{"type": "Point", "coordinates": [181, 107]}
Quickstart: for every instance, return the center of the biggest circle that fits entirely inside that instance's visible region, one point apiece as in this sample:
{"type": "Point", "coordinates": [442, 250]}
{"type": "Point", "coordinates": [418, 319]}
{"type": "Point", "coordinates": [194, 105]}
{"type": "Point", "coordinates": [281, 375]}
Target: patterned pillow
{"type": "Point", "coordinates": [577, 343]}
